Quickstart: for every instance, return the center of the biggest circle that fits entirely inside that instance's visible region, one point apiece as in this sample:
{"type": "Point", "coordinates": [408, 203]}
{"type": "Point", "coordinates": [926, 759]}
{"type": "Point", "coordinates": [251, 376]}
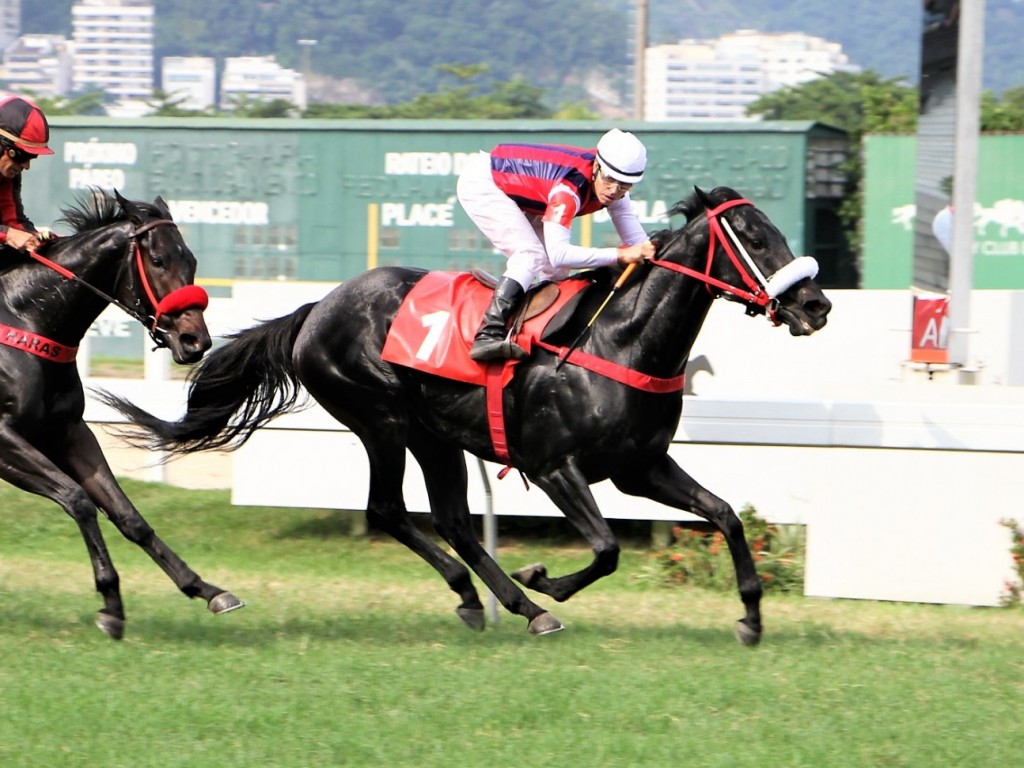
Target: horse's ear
{"type": "Point", "coordinates": [161, 205]}
{"type": "Point", "coordinates": [703, 196]}
{"type": "Point", "coordinates": [131, 210]}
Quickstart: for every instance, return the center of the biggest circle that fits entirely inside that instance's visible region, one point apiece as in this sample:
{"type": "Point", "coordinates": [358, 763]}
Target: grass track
{"type": "Point", "coordinates": [349, 654]}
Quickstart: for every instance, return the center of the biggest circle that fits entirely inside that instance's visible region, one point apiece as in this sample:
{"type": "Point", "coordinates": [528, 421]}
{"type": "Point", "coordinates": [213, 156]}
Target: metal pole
{"type": "Point", "coordinates": [490, 539]}
{"type": "Point", "coordinates": [307, 68]}
{"type": "Point", "coordinates": [970, 44]}
{"type": "Point", "coordinates": [307, 44]}
{"type": "Point", "coordinates": [156, 368]}
{"type": "Point", "coordinates": [639, 84]}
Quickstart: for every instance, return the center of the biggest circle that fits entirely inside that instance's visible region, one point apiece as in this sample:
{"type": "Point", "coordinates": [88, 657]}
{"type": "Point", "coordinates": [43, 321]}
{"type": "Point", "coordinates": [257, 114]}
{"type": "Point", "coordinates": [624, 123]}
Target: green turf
{"type": "Point", "coordinates": [349, 654]}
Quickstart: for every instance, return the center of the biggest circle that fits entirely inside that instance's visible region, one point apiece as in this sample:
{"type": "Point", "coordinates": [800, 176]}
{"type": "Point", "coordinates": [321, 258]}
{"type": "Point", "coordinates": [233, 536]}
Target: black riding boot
{"type": "Point", "coordinates": [492, 342]}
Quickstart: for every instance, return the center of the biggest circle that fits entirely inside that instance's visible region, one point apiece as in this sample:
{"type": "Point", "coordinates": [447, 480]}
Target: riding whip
{"type": "Point", "coordinates": [618, 284]}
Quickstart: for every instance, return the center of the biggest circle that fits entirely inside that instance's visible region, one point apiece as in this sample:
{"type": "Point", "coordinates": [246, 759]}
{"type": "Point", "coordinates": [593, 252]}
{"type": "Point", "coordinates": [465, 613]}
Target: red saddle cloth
{"type": "Point", "coordinates": [435, 326]}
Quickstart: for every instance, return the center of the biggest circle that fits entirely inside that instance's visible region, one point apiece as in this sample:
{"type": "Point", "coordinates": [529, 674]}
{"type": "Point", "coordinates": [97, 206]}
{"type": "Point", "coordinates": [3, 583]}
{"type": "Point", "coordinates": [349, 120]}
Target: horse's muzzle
{"type": "Point", "coordinates": [804, 309]}
{"type": "Point", "coordinates": [187, 337]}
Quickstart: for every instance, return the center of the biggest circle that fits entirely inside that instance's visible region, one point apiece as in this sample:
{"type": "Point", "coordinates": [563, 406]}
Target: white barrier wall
{"type": "Point", "coordinates": [901, 480]}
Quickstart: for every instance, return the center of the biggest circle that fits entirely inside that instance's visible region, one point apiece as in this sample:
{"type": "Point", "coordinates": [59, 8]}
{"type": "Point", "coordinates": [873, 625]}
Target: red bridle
{"type": "Point", "coordinates": [178, 300]}
{"type": "Point", "coordinates": [755, 292]}
{"type": "Point", "coordinates": [759, 291]}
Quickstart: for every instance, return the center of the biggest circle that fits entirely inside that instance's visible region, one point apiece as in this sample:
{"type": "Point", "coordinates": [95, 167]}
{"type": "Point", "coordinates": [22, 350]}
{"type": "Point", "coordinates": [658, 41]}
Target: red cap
{"type": "Point", "coordinates": [24, 125]}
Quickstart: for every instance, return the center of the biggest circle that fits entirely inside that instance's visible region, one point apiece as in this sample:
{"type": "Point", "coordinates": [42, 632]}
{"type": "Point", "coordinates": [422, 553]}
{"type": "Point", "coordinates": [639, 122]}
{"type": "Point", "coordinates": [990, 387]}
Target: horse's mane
{"type": "Point", "coordinates": [691, 207]}
{"type": "Point", "coordinates": [92, 211]}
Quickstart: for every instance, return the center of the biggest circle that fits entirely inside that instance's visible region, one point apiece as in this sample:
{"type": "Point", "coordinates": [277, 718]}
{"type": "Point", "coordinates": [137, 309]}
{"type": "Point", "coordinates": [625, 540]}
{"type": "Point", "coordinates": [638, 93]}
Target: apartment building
{"type": "Point", "coordinates": [260, 78]}
{"type": "Point", "coordinates": [10, 22]}
{"type": "Point", "coordinates": [190, 78]}
{"type": "Point", "coordinates": [113, 47]}
{"type": "Point", "coordinates": [717, 79]}
{"type": "Point", "coordinates": [38, 64]}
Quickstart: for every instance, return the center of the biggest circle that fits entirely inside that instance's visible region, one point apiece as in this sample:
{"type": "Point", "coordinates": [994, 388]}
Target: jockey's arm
{"type": "Point", "coordinates": [635, 246]}
{"type": "Point", "coordinates": [563, 254]}
{"type": "Point", "coordinates": [627, 225]}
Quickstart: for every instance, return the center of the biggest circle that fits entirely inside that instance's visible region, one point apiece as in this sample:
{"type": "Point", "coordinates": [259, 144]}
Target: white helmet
{"type": "Point", "coordinates": [622, 156]}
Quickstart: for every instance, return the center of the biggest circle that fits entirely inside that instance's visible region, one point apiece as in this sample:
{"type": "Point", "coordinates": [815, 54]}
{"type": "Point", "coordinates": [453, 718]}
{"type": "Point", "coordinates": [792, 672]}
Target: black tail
{"type": "Point", "coordinates": [235, 390]}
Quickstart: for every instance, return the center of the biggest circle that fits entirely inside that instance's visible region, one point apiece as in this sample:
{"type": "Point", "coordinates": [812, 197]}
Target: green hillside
{"type": "Point", "coordinates": [391, 50]}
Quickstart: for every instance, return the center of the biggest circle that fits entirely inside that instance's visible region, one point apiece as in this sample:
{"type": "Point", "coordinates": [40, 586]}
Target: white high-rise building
{"type": "Point", "coordinates": [717, 79]}
{"type": "Point", "coordinates": [260, 78]}
{"type": "Point", "coordinates": [191, 77]}
{"type": "Point", "coordinates": [10, 22]}
{"type": "Point", "coordinates": [113, 47]}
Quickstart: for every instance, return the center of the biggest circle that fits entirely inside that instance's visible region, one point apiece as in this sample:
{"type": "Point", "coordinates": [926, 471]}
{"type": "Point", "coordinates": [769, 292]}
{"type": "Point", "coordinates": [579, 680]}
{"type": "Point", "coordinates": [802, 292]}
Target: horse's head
{"type": "Point", "coordinates": [164, 290]}
{"type": "Point", "coordinates": [748, 260]}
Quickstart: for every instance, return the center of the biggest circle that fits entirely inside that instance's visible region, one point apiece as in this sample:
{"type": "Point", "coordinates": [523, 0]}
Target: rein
{"type": "Point", "coordinates": [614, 371]}
{"type": "Point", "coordinates": [178, 300]}
{"type": "Point", "coordinates": [759, 293]}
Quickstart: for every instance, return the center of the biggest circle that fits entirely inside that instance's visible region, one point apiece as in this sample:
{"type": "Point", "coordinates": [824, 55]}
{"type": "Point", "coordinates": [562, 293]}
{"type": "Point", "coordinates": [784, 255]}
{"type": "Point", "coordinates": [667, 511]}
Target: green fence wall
{"type": "Point", "coordinates": [323, 200]}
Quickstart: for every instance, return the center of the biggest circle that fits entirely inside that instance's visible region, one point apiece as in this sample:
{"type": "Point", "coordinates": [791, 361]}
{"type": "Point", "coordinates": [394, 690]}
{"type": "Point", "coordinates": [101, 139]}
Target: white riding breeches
{"type": "Point", "coordinates": [511, 231]}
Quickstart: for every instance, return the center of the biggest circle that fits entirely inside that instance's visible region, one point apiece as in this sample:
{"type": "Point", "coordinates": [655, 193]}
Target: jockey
{"type": "Point", "coordinates": [523, 197]}
{"type": "Point", "coordinates": [24, 133]}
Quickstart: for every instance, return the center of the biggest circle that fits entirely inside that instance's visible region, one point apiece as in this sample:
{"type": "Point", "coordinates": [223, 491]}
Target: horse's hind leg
{"type": "Point", "coordinates": [26, 468]}
{"type": "Point", "coordinates": [88, 464]}
{"type": "Point", "coordinates": [665, 482]}
{"type": "Point", "coordinates": [444, 472]}
{"type": "Point", "coordinates": [386, 511]}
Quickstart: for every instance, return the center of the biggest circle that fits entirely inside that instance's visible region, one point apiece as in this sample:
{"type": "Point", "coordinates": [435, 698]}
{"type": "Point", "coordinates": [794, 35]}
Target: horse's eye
{"type": "Point", "coordinates": [757, 243]}
{"type": "Point", "coordinates": [156, 261]}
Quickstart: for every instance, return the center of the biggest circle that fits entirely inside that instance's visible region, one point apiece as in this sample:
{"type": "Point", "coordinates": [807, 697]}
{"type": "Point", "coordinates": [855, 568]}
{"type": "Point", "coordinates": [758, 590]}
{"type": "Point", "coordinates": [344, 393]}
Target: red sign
{"type": "Point", "coordinates": [930, 330]}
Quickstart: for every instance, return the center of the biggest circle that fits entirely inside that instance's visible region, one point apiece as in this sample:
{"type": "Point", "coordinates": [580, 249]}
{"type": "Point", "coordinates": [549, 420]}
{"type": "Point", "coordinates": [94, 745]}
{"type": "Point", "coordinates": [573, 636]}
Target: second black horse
{"type": "Point", "coordinates": [130, 254]}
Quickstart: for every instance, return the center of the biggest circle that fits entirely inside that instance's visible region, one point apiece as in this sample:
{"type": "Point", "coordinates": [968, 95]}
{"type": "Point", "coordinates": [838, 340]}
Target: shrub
{"type": "Point", "coordinates": [1015, 589]}
{"type": "Point", "coordinates": [701, 558]}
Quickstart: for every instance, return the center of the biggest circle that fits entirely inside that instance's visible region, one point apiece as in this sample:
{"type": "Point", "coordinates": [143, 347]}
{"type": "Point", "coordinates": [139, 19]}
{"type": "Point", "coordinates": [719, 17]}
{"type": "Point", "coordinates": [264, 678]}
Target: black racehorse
{"type": "Point", "coordinates": [123, 252]}
{"type": "Point", "coordinates": [566, 426]}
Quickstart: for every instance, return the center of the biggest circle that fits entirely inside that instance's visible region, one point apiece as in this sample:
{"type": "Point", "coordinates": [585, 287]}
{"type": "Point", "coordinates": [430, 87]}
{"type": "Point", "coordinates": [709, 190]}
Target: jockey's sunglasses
{"type": "Point", "coordinates": [20, 156]}
{"type": "Point", "coordinates": [613, 183]}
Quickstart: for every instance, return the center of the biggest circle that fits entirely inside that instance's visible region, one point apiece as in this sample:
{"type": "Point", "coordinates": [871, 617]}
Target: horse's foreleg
{"type": "Point", "coordinates": [665, 482]}
{"type": "Point", "coordinates": [28, 469]}
{"type": "Point", "coordinates": [444, 473]}
{"type": "Point", "coordinates": [88, 465]}
{"type": "Point", "coordinates": [569, 490]}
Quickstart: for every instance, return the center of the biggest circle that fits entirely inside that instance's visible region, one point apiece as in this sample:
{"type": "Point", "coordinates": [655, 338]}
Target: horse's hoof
{"type": "Point", "coordinates": [224, 603]}
{"type": "Point", "coordinates": [530, 573]}
{"type": "Point", "coordinates": [746, 635]}
{"type": "Point", "coordinates": [111, 626]}
{"type": "Point", "coordinates": [545, 624]}
{"type": "Point", "coordinates": [473, 618]}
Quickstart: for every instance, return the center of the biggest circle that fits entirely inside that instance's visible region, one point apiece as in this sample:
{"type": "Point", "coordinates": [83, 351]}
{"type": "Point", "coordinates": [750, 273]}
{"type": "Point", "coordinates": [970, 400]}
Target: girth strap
{"type": "Point", "coordinates": [495, 410]}
{"type": "Point", "coordinates": [608, 369]}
